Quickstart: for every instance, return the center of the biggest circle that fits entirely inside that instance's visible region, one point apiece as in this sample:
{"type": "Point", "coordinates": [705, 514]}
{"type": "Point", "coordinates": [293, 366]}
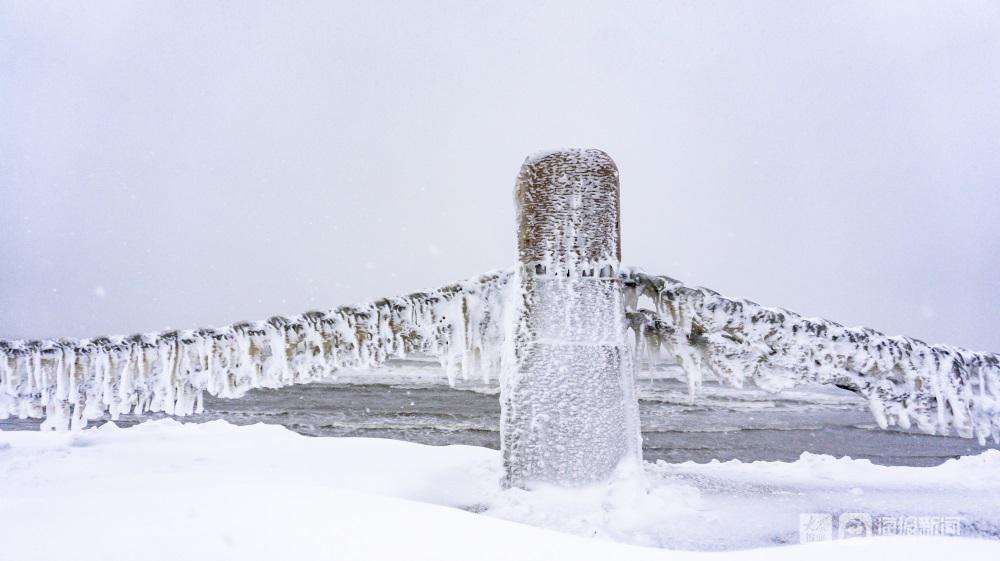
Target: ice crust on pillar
{"type": "Point", "coordinates": [569, 414]}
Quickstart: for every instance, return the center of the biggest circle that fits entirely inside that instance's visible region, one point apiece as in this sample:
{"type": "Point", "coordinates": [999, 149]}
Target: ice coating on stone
{"type": "Point", "coordinates": [70, 381]}
{"type": "Point", "coordinates": [907, 382]}
{"type": "Point", "coordinates": [556, 328]}
{"type": "Point", "coordinates": [569, 414]}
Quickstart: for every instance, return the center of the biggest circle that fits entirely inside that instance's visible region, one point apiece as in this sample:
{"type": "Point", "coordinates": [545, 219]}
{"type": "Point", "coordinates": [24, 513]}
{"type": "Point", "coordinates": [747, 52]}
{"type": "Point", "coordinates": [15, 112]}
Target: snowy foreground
{"type": "Point", "coordinates": [166, 490]}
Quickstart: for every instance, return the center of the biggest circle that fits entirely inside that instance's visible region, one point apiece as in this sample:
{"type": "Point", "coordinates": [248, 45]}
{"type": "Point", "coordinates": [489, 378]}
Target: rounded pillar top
{"type": "Point", "coordinates": [568, 210]}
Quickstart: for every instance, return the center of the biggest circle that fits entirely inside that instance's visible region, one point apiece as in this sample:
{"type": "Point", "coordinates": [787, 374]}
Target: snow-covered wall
{"type": "Point", "coordinates": [71, 381]}
{"type": "Point", "coordinates": [907, 382]}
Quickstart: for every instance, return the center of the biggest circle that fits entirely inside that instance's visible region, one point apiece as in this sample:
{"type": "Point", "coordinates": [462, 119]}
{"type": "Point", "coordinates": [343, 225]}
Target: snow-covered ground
{"type": "Point", "coordinates": [166, 490]}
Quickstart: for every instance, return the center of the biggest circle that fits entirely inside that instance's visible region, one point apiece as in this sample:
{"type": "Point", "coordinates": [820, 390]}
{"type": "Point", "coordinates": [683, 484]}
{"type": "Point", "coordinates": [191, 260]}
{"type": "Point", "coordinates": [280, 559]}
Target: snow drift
{"type": "Point", "coordinates": [166, 490]}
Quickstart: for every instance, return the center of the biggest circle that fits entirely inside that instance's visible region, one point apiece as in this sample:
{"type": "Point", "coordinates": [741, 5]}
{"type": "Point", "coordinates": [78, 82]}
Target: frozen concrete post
{"type": "Point", "coordinates": [569, 414]}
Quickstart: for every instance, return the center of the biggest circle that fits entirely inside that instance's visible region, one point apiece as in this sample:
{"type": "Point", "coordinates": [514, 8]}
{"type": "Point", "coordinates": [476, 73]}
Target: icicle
{"type": "Point", "coordinates": [938, 388]}
{"type": "Point", "coordinates": [71, 381]}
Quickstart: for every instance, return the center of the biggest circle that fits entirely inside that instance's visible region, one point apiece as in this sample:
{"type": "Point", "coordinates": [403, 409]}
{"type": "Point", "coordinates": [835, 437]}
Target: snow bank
{"type": "Point", "coordinates": [166, 490]}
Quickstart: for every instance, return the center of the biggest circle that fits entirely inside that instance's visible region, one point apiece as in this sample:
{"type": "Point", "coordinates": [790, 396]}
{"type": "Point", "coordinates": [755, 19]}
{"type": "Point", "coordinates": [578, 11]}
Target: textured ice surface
{"type": "Point", "coordinates": [569, 414]}
{"type": "Point", "coordinates": [907, 382]}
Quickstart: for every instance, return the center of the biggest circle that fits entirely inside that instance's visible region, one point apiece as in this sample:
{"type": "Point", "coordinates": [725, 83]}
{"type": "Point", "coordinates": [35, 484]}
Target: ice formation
{"type": "Point", "coordinates": [938, 389]}
{"type": "Point", "coordinates": [563, 328]}
{"type": "Point", "coordinates": [70, 381]}
{"type": "Point", "coordinates": [907, 382]}
{"type": "Point", "coordinates": [569, 413]}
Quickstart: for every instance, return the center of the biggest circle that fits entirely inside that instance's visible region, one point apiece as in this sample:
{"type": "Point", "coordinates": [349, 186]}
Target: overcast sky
{"type": "Point", "coordinates": [189, 164]}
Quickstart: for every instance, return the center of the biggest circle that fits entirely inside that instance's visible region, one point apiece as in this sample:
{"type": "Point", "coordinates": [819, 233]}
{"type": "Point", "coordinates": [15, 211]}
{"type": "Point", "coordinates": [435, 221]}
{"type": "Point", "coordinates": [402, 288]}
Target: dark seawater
{"type": "Point", "coordinates": [721, 423]}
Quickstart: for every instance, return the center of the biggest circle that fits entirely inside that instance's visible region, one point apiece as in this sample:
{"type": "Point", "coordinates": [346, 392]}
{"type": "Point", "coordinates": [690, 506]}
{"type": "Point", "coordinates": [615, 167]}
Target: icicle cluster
{"type": "Point", "coordinates": [939, 389]}
{"type": "Point", "coordinates": [906, 381]}
{"type": "Point", "coordinates": [71, 381]}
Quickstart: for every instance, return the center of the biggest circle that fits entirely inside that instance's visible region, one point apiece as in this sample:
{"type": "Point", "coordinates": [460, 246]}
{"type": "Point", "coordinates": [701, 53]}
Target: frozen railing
{"type": "Point", "coordinates": [938, 389]}
{"type": "Point", "coordinates": [70, 381]}
{"type": "Point", "coordinates": [907, 382]}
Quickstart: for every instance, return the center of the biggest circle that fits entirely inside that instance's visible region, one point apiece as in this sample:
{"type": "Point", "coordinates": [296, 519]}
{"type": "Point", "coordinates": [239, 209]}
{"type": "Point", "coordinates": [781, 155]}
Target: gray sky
{"type": "Point", "coordinates": [187, 164]}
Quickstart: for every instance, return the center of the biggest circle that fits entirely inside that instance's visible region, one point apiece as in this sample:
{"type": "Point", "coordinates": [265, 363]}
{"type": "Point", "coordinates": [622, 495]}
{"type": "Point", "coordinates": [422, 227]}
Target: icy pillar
{"type": "Point", "coordinates": [569, 414]}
